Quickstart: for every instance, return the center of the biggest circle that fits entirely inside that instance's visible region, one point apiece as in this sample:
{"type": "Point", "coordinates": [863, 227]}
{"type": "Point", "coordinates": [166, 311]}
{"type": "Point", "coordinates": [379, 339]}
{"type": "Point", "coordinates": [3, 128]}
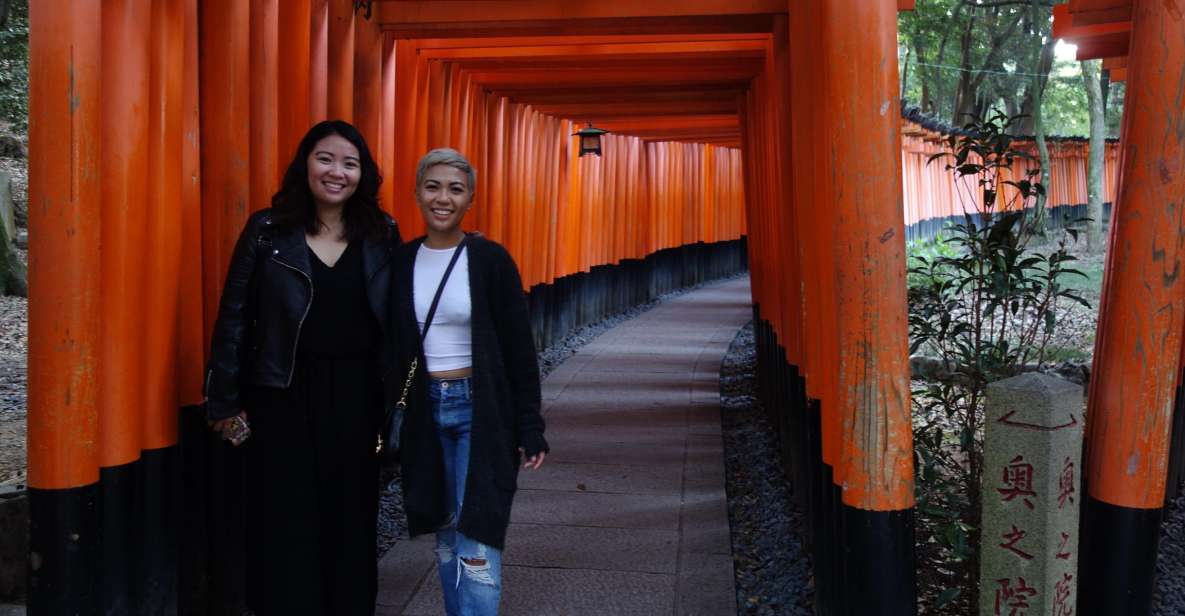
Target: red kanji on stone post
{"type": "Point", "coordinates": [1063, 547]}
{"type": "Point", "coordinates": [1013, 537]}
{"type": "Point", "coordinates": [1018, 481]}
{"type": "Point", "coordinates": [1063, 603]}
{"type": "Point", "coordinates": [1065, 485]}
{"type": "Point", "coordinates": [1013, 600]}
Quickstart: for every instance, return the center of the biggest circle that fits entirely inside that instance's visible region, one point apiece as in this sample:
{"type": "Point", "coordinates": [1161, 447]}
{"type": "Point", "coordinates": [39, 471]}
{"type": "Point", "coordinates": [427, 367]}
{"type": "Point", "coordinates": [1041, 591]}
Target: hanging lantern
{"type": "Point", "coordinates": [590, 139]}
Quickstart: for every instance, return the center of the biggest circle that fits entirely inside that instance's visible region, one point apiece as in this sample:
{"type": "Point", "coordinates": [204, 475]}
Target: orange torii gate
{"type": "Point", "coordinates": [1137, 364]}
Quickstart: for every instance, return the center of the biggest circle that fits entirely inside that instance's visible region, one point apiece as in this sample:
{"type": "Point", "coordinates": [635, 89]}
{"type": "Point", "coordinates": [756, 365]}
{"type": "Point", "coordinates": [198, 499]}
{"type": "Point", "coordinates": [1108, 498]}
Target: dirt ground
{"type": "Point", "coordinates": [14, 344]}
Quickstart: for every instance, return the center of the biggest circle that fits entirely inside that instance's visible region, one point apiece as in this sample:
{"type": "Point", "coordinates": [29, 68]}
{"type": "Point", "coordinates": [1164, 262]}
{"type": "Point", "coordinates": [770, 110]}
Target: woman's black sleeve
{"type": "Point", "coordinates": [230, 329]}
{"type": "Point", "coordinates": [518, 351]}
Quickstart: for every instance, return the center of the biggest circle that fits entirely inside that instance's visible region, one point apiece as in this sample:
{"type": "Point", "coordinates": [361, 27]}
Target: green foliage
{"type": "Point", "coordinates": [985, 306]}
{"type": "Point", "coordinates": [960, 56]}
{"type": "Point", "coordinates": [1065, 108]}
{"type": "Point", "coordinates": [14, 66]}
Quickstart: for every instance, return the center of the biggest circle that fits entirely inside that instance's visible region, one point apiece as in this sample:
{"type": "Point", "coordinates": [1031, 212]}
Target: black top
{"type": "Point", "coordinates": [340, 323]}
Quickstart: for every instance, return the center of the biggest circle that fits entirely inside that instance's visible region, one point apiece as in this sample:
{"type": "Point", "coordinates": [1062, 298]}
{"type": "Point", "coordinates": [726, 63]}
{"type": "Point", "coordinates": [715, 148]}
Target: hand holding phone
{"type": "Point", "coordinates": [234, 429]}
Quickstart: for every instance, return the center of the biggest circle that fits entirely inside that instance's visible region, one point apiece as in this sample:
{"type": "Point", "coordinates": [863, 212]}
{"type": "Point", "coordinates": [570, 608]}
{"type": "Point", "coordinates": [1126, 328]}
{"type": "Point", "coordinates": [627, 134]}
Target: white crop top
{"type": "Point", "coordinates": [449, 345]}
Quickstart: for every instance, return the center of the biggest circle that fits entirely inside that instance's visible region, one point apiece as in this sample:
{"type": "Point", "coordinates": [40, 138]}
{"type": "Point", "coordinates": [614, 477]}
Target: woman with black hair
{"type": "Point", "coordinates": [296, 362]}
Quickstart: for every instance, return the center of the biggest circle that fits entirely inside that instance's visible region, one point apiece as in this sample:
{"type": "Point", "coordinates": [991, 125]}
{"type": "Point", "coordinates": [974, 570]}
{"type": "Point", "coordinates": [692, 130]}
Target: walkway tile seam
{"type": "Point", "coordinates": [647, 528]}
{"type": "Point", "coordinates": [415, 591]}
{"type": "Point", "coordinates": [672, 493]}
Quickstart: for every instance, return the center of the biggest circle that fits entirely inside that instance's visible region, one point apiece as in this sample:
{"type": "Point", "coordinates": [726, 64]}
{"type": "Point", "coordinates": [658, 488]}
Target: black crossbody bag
{"type": "Point", "coordinates": [388, 445]}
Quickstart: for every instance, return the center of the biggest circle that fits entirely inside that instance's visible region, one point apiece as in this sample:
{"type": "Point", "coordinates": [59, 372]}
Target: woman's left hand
{"type": "Point", "coordinates": [534, 461]}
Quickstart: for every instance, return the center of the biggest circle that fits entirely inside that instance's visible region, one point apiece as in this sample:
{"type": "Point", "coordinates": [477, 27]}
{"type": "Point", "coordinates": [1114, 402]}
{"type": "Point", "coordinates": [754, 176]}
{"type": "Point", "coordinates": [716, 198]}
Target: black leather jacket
{"type": "Point", "coordinates": [268, 292]}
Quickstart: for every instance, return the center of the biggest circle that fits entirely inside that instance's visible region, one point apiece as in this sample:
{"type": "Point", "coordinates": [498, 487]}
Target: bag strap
{"type": "Point", "coordinates": [415, 362]}
{"type": "Point", "coordinates": [440, 289]}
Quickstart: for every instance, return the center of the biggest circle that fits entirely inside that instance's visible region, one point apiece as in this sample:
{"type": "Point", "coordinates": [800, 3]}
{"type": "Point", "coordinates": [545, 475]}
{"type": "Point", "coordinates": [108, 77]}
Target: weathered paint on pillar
{"type": "Point", "coordinates": [1139, 344]}
{"type": "Point", "coordinates": [64, 203]}
{"type": "Point", "coordinates": [860, 56]}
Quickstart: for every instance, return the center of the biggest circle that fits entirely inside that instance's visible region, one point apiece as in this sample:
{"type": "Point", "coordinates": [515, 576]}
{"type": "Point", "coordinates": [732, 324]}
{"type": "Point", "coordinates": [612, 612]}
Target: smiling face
{"type": "Point", "coordinates": [334, 171]}
{"type": "Point", "coordinates": [444, 196]}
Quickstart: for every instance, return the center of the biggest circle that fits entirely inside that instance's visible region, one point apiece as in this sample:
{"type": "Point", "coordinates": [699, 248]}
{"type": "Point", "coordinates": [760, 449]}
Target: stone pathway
{"type": "Point", "coordinates": [629, 514]}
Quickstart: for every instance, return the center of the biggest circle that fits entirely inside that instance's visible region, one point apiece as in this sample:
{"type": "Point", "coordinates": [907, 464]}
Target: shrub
{"type": "Point", "coordinates": [985, 306]}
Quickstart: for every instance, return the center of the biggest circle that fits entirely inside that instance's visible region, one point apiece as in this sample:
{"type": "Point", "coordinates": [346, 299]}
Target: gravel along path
{"type": "Point", "coordinates": [14, 337]}
{"type": "Point", "coordinates": [1168, 598]}
{"type": "Point", "coordinates": [773, 572]}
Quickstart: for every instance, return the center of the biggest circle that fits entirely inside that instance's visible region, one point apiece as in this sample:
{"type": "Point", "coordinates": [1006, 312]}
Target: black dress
{"type": "Point", "coordinates": [312, 470]}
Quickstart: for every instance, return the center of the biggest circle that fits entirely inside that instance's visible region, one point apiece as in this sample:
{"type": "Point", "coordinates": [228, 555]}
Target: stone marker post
{"type": "Point", "coordinates": [1032, 454]}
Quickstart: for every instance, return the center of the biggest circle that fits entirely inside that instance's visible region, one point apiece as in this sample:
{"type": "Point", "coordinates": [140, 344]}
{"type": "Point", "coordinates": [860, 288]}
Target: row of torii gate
{"type": "Point", "coordinates": [158, 125]}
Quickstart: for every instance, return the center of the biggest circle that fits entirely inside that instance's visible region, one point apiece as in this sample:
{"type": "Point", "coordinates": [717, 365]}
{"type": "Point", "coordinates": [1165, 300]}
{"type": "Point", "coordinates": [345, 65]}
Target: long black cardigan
{"type": "Point", "coordinates": [506, 397]}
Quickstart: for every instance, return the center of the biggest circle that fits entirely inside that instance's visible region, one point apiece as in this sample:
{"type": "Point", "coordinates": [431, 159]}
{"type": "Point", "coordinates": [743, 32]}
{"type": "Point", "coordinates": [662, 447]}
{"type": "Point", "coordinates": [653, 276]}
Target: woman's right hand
{"type": "Point", "coordinates": [225, 427]}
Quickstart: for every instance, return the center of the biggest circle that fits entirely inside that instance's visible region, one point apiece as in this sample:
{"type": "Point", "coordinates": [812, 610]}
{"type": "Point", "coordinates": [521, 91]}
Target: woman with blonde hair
{"type": "Point", "coordinates": [472, 392]}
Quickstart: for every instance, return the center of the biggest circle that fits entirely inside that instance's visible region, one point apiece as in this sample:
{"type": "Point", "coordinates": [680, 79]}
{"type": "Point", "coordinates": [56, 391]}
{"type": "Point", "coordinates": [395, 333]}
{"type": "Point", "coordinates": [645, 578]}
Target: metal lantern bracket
{"type": "Point", "coordinates": [364, 4]}
{"type": "Point", "coordinates": [590, 139]}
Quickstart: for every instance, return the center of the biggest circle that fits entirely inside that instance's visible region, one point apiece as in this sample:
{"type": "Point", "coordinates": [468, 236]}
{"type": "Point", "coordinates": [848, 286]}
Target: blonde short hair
{"type": "Point", "coordinates": [449, 157]}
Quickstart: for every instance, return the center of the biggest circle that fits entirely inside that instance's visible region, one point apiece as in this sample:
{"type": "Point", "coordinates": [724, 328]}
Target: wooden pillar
{"type": "Point", "coordinates": [1139, 339]}
{"type": "Point", "coordinates": [226, 203]}
{"type": "Point", "coordinates": [126, 30]}
{"type": "Point", "coordinates": [385, 148]}
{"type": "Point", "coordinates": [318, 61]}
{"type": "Point", "coordinates": [225, 121]}
{"type": "Point", "coordinates": [368, 81]}
{"type": "Point", "coordinates": [340, 61]}
{"type": "Point", "coordinates": [874, 468]}
{"type": "Point", "coordinates": [65, 197]}
{"type": "Point", "coordinates": [294, 58]}
{"type": "Point", "coordinates": [265, 103]}
{"type": "Point", "coordinates": [191, 349]}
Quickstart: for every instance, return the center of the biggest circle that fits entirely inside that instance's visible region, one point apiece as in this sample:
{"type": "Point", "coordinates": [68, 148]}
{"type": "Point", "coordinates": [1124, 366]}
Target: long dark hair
{"type": "Point", "coordinates": [293, 207]}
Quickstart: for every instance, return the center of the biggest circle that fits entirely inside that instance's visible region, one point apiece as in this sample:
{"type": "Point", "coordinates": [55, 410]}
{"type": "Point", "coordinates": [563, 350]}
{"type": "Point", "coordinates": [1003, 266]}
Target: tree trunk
{"type": "Point", "coordinates": [964, 102]}
{"type": "Point", "coordinates": [905, 73]}
{"type": "Point", "coordinates": [1035, 92]}
{"type": "Point", "coordinates": [1094, 169]}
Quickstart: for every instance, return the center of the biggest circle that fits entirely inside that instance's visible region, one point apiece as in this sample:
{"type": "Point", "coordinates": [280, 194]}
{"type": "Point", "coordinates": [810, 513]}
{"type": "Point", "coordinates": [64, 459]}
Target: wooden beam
{"type": "Point", "coordinates": [639, 108]}
{"type": "Point", "coordinates": [429, 12]}
{"type": "Point", "coordinates": [1115, 63]}
{"type": "Point", "coordinates": [680, 49]}
{"type": "Point", "coordinates": [632, 94]}
{"type": "Point", "coordinates": [1066, 26]}
{"type": "Point", "coordinates": [612, 39]}
{"type": "Point", "coordinates": [1097, 12]}
{"type": "Point", "coordinates": [619, 26]}
{"type": "Point", "coordinates": [1103, 46]}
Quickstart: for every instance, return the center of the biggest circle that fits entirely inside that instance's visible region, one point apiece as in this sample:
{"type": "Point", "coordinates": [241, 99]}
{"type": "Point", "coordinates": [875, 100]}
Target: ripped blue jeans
{"type": "Point", "coordinates": [470, 571]}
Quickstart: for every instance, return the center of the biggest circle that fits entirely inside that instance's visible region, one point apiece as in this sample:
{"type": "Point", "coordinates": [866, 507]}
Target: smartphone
{"type": "Point", "coordinates": [239, 431]}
